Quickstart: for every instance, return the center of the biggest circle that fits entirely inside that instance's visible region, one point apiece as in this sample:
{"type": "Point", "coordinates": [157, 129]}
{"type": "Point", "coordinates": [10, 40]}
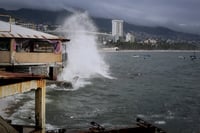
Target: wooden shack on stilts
{"type": "Point", "coordinates": [25, 50]}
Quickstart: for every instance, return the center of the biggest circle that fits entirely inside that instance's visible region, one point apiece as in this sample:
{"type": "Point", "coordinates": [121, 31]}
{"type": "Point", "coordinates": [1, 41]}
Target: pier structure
{"type": "Point", "coordinates": [21, 47]}
{"type": "Point", "coordinates": [15, 83]}
{"type": "Point", "coordinates": [27, 58]}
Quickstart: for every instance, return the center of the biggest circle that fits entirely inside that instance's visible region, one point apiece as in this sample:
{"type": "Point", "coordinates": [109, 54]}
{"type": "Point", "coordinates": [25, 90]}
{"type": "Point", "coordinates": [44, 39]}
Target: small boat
{"type": "Point", "coordinates": [136, 56]}
{"type": "Point", "coordinates": [181, 57]}
{"type": "Point", "coordinates": [193, 57]}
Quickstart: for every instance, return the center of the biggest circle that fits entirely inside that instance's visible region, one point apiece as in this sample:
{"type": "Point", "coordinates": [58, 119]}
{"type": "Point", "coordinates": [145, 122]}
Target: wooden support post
{"type": "Point", "coordinates": [40, 94]}
{"type": "Point", "coordinates": [12, 51]}
{"type": "Point", "coordinates": [51, 73]}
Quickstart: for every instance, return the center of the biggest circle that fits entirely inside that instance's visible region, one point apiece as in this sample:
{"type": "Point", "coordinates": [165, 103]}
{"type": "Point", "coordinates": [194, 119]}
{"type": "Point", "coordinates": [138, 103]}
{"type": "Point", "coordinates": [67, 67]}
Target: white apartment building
{"type": "Point", "coordinates": [130, 37]}
{"type": "Point", "coordinates": [117, 28]}
{"type": "Point", "coordinates": [150, 41]}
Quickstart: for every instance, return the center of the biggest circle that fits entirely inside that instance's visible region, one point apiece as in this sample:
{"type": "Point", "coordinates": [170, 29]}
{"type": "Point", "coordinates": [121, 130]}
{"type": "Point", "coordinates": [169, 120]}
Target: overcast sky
{"type": "Point", "coordinates": [182, 15]}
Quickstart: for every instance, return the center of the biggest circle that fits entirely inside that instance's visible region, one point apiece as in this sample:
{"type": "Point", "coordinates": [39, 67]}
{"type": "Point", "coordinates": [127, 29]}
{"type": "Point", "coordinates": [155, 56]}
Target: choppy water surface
{"type": "Point", "coordinates": [162, 88]}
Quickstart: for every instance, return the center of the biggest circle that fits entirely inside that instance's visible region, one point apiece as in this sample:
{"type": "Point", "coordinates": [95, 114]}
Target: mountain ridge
{"type": "Point", "coordinates": [103, 24]}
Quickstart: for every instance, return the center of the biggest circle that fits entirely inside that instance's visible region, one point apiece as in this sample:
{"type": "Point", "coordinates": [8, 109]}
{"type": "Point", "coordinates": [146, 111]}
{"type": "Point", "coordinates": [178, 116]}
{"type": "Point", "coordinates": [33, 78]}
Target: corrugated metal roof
{"type": "Point", "coordinates": [15, 31]}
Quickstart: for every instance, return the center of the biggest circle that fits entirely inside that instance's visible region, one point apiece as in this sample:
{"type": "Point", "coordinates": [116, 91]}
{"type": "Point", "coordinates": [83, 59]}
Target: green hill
{"type": "Point", "coordinates": [104, 25]}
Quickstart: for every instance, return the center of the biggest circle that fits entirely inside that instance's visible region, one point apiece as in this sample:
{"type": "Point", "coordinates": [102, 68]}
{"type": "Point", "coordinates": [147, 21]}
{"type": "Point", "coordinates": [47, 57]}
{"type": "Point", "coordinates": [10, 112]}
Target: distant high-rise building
{"type": "Point", "coordinates": [117, 28]}
{"type": "Point", "coordinates": [130, 37]}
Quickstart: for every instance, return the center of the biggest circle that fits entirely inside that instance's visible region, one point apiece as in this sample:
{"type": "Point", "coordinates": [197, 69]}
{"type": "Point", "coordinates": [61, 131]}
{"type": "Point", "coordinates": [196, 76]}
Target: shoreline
{"type": "Point", "coordinates": [112, 50]}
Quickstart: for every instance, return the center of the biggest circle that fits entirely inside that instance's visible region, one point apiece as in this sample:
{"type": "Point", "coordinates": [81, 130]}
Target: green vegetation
{"type": "Point", "coordinates": [157, 46]}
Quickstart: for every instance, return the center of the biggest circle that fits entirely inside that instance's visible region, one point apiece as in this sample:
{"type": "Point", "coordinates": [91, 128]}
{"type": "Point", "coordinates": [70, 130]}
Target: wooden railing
{"type": "Point", "coordinates": [37, 57]}
{"type": "Point", "coordinates": [4, 56]}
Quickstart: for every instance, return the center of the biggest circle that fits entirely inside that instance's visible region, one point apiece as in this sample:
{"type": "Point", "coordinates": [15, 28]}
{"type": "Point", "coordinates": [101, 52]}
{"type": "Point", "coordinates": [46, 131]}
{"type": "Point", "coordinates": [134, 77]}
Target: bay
{"type": "Point", "coordinates": [160, 87]}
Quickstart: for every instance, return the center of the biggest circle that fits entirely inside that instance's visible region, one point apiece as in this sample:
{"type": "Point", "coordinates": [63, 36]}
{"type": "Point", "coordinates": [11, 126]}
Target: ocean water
{"type": "Point", "coordinates": [162, 88]}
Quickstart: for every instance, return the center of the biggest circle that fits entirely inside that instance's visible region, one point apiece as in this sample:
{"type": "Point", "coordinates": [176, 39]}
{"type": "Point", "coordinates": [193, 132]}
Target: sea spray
{"type": "Point", "coordinates": [84, 61]}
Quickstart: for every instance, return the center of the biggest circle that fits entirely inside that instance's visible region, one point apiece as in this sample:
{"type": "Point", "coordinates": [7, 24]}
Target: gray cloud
{"type": "Point", "coordinates": [182, 15]}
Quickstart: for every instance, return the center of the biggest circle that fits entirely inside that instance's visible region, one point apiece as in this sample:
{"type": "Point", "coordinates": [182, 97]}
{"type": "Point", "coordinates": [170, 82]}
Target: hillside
{"type": "Point", "coordinates": [104, 25]}
{"type": "Point", "coordinates": [37, 16]}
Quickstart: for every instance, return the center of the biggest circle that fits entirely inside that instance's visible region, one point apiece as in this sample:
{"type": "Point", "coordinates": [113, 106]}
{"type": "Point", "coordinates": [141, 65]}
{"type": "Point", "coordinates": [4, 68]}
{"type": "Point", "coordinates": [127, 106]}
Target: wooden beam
{"type": "Point", "coordinates": [40, 95]}
{"type": "Point", "coordinates": [21, 87]}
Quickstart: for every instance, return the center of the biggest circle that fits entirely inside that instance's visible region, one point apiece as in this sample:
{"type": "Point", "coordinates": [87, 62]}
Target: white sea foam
{"type": "Point", "coordinates": [25, 112]}
{"type": "Point", "coordinates": [4, 105]}
{"type": "Point", "coordinates": [84, 61]}
{"type": "Point", "coordinates": [50, 127]}
{"type": "Point", "coordinates": [51, 86]}
{"type": "Point", "coordinates": [160, 122]}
